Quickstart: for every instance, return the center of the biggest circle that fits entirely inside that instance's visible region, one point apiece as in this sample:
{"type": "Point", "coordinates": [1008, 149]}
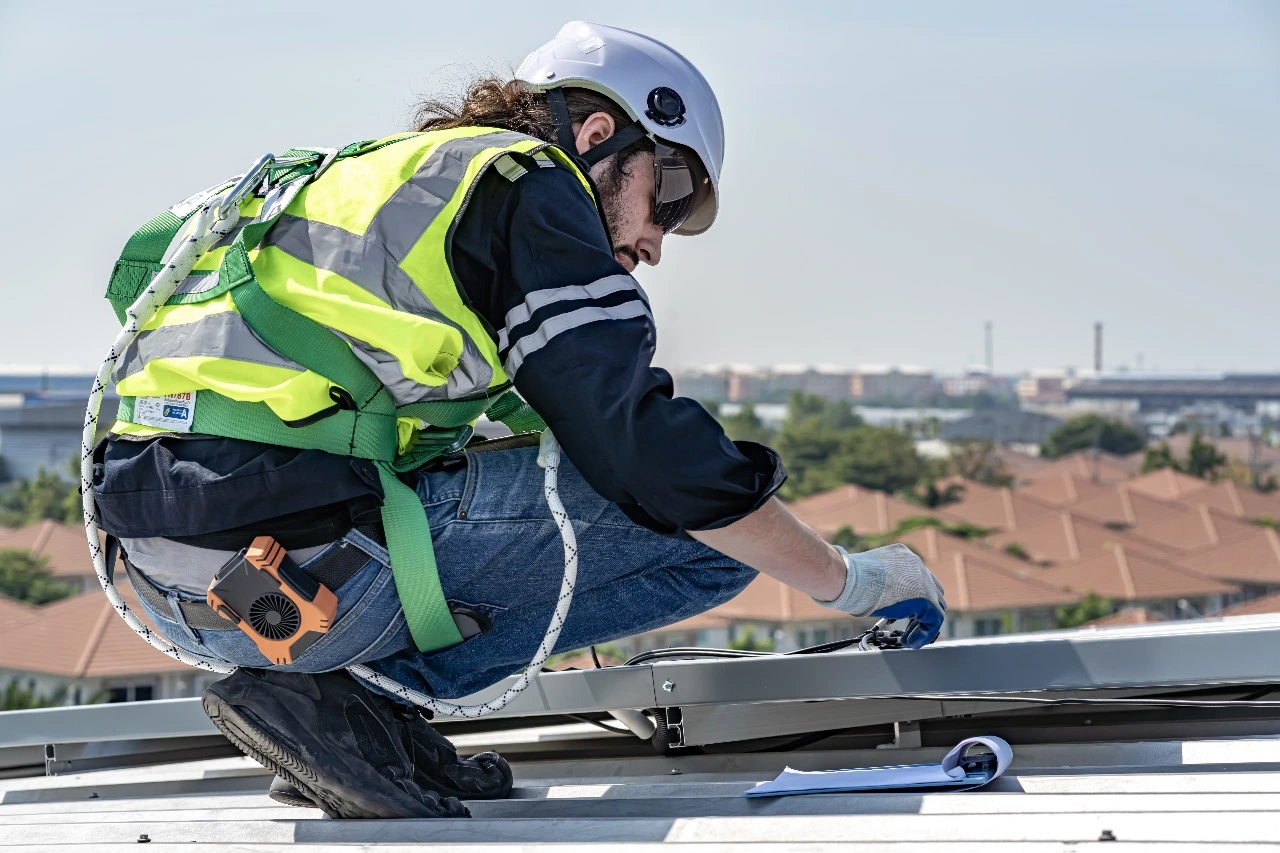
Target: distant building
{"type": "Point", "coordinates": [746, 386]}
{"type": "Point", "coordinates": [710, 384]}
{"type": "Point", "coordinates": [1043, 386]}
{"type": "Point", "coordinates": [42, 417]}
{"type": "Point", "coordinates": [1246, 392]}
{"type": "Point", "coordinates": [978, 382]}
{"type": "Point", "coordinates": [889, 382]}
{"type": "Point", "coordinates": [1009, 427]}
{"type": "Point", "coordinates": [776, 384]}
{"type": "Point", "coordinates": [43, 436]}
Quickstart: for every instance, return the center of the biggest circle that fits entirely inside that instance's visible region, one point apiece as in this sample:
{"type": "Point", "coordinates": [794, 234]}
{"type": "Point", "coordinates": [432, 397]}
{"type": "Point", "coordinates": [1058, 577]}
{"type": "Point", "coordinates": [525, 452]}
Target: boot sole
{"type": "Point", "coordinates": [253, 742]}
{"type": "Point", "coordinates": [291, 797]}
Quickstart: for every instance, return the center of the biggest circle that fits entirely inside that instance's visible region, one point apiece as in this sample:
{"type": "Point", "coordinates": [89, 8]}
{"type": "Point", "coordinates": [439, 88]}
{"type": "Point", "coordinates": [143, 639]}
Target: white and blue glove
{"type": "Point", "coordinates": [891, 582]}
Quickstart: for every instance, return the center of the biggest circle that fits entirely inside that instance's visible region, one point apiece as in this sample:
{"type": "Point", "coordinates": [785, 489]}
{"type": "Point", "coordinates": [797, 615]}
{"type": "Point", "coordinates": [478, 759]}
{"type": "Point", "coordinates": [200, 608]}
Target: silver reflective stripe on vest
{"type": "Point", "coordinates": [373, 260]}
{"type": "Point", "coordinates": [364, 262]}
{"type": "Point", "coordinates": [541, 298]}
{"type": "Point", "coordinates": [224, 335]}
{"type": "Point", "coordinates": [199, 282]}
{"type": "Point", "coordinates": [562, 323]}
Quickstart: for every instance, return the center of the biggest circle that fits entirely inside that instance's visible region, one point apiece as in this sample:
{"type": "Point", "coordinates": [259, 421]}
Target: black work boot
{"type": "Point", "coordinates": [436, 765]}
{"type": "Point", "coordinates": [336, 742]}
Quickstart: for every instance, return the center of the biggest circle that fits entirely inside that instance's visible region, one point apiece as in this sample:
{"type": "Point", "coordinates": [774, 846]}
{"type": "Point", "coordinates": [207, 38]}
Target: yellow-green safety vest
{"type": "Point", "coordinates": [330, 319]}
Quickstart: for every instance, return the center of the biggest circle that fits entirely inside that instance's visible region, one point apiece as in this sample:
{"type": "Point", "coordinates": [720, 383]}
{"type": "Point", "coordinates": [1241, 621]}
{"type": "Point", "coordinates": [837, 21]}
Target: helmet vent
{"type": "Point", "coordinates": [666, 107]}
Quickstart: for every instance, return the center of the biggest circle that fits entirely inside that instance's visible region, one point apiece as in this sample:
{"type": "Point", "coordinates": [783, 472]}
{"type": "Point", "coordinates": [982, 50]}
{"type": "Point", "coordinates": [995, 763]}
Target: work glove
{"type": "Point", "coordinates": [891, 582]}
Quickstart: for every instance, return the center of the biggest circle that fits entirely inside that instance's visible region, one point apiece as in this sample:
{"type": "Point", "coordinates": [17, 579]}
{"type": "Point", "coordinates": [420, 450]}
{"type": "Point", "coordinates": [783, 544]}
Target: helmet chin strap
{"type": "Point", "coordinates": [566, 140]}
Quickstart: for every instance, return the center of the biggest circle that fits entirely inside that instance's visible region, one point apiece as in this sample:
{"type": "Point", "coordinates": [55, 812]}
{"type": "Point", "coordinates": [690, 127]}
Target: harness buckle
{"type": "Point", "coordinates": [443, 439]}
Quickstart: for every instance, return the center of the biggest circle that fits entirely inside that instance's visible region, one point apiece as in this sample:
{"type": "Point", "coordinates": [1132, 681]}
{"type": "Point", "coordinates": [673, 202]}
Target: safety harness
{"type": "Point", "coordinates": [363, 422]}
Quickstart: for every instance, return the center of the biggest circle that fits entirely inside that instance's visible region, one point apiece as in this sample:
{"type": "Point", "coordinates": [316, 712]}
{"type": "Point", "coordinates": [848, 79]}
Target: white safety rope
{"type": "Point", "coordinates": [549, 459]}
{"type": "Point", "coordinates": [218, 217]}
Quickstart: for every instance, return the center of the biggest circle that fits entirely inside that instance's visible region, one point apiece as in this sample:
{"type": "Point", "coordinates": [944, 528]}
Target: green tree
{"type": "Point", "coordinates": [877, 458]}
{"type": "Point", "coordinates": [979, 461]}
{"type": "Point", "coordinates": [46, 495]}
{"type": "Point", "coordinates": [17, 698]}
{"type": "Point", "coordinates": [72, 507]}
{"type": "Point", "coordinates": [848, 540]}
{"type": "Point", "coordinates": [746, 425]}
{"type": "Point", "coordinates": [1089, 431]}
{"type": "Point", "coordinates": [1158, 457]}
{"type": "Point", "coordinates": [1092, 606]}
{"type": "Point", "coordinates": [802, 407]}
{"type": "Point", "coordinates": [748, 642]}
{"type": "Point", "coordinates": [25, 578]}
{"type": "Point", "coordinates": [1018, 551]}
{"type": "Point", "coordinates": [825, 445]}
{"type": "Point", "coordinates": [1203, 458]}
{"type": "Point", "coordinates": [933, 496]}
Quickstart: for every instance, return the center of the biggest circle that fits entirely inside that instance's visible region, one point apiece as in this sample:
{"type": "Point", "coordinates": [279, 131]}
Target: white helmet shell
{"type": "Point", "coordinates": [629, 67]}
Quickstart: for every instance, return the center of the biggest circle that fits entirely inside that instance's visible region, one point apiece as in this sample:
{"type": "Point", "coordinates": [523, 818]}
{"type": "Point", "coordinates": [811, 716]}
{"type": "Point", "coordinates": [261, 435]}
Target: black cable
{"type": "Point", "coordinates": [595, 658]}
{"type": "Point", "coordinates": [695, 652]}
{"type": "Point", "coordinates": [800, 742]}
{"type": "Point", "coordinates": [827, 647]}
{"type": "Point", "coordinates": [599, 725]}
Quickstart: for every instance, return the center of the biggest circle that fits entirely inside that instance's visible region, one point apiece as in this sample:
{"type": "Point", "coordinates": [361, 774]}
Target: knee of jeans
{"type": "Point", "coordinates": [715, 584]}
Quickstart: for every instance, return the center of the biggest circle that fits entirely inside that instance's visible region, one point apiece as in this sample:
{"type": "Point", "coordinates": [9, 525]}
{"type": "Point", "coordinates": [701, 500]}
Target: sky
{"type": "Point", "coordinates": [897, 173]}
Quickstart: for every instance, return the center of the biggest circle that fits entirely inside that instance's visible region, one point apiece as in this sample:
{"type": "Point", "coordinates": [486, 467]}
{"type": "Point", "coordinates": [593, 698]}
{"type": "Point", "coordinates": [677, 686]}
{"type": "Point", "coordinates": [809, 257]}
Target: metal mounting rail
{"type": "Point", "coordinates": [709, 693]}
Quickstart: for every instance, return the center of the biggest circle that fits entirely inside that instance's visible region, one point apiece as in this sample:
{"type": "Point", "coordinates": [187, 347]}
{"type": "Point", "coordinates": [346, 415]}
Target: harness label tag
{"type": "Point", "coordinates": [172, 411]}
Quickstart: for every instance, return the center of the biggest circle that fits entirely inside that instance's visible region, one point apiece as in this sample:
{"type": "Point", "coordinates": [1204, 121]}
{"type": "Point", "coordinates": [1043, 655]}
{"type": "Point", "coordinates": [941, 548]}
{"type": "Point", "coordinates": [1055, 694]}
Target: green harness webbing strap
{"type": "Point", "coordinates": [404, 520]}
{"type": "Point", "coordinates": [515, 414]}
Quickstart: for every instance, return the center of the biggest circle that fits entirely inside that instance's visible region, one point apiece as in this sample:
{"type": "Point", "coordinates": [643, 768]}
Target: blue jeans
{"type": "Point", "coordinates": [499, 553]}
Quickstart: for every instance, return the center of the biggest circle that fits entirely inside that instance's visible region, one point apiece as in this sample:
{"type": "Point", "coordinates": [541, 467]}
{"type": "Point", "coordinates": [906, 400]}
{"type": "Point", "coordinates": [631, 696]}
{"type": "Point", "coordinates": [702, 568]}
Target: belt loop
{"type": "Point", "coordinates": [175, 607]}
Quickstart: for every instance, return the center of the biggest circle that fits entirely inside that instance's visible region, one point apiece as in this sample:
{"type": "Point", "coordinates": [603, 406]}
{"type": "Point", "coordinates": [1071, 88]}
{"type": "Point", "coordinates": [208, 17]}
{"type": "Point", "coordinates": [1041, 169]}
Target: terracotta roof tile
{"type": "Point", "coordinates": [1062, 489]}
{"type": "Point", "coordinates": [979, 580]}
{"type": "Point", "coordinates": [1196, 528]}
{"type": "Point", "coordinates": [1108, 467]}
{"type": "Point", "coordinates": [1167, 484]}
{"type": "Point", "coordinates": [14, 613]}
{"type": "Point", "coordinates": [1251, 559]}
{"type": "Point", "coordinates": [1067, 538]}
{"type": "Point", "coordinates": [1125, 574]}
{"type": "Point", "coordinates": [82, 636]}
{"type": "Point", "coordinates": [996, 508]}
{"type": "Point", "coordinates": [1122, 506]}
{"type": "Point", "coordinates": [1228, 498]}
{"type": "Point", "coordinates": [866, 511]}
{"type": "Point", "coordinates": [769, 600]}
{"type": "Point", "coordinates": [62, 545]}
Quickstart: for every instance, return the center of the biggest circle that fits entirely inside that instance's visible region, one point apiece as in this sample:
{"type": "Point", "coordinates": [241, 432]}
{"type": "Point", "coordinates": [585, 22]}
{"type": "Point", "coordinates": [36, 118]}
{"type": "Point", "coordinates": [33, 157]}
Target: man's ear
{"type": "Point", "coordinates": [595, 129]}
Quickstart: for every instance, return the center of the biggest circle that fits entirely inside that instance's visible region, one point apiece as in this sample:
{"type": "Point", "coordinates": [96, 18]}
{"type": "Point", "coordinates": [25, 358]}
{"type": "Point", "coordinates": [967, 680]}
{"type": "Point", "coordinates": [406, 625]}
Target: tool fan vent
{"type": "Point", "coordinates": [275, 617]}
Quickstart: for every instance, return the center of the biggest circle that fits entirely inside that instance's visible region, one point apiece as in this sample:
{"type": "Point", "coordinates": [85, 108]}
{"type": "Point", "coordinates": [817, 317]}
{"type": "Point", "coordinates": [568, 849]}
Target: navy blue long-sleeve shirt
{"type": "Point", "coordinates": [532, 258]}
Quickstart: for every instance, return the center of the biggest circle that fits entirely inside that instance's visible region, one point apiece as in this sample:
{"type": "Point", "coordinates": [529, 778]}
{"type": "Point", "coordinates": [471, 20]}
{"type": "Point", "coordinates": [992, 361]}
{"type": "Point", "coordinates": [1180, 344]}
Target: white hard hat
{"type": "Point", "coordinates": [659, 88]}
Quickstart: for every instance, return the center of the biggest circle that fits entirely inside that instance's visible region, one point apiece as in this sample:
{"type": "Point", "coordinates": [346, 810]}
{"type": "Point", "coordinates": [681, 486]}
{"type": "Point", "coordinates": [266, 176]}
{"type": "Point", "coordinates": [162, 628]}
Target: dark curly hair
{"type": "Point", "coordinates": [512, 105]}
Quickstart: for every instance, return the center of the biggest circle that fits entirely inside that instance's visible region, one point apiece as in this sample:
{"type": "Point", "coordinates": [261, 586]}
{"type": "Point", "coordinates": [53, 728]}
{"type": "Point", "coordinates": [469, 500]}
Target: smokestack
{"type": "Point", "coordinates": [1097, 347]}
{"type": "Point", "coordinates": [991, 357]}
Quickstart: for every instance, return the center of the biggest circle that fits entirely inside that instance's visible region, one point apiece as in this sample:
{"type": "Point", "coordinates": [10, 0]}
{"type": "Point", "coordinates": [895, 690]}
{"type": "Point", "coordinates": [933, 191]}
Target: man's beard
{"type": "Point", "coordinates": [610, 186]}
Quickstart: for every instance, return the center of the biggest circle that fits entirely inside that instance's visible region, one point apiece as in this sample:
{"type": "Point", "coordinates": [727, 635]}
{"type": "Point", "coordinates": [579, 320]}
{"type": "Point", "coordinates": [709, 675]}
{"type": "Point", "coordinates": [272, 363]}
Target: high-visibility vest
{"type": "Point", "coordinates": [330, 319]}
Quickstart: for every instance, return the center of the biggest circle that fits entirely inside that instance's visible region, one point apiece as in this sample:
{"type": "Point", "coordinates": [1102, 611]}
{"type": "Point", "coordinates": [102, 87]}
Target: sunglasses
{"type": "Point", "coordinates": [674, 185]}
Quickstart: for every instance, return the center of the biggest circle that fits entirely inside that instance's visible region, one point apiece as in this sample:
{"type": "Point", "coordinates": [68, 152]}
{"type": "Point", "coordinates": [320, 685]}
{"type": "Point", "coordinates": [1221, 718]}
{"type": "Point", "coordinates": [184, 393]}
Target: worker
{"type": "Point", "coordinates": [495, 246]}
